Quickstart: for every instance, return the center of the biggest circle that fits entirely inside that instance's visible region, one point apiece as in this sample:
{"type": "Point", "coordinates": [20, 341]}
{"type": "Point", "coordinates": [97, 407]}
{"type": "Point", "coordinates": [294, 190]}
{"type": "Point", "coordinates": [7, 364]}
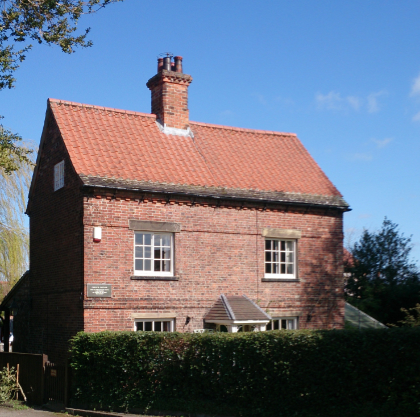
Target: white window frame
{"type": "Point", "coordinates": [153, 321]}
{"type": "Point", "coordinates": [59, 175]}
{"type": "Point", "coordinates": [294, 263]}
{"type": "Point", "coordinates": [288, 321]}
{"type": "Point", "coordinates": [152, 272]}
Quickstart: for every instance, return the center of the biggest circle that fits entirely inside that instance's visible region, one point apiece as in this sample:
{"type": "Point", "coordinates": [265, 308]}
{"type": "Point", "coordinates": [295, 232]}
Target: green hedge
{"type": "Point", "coordinates": [267, 373]}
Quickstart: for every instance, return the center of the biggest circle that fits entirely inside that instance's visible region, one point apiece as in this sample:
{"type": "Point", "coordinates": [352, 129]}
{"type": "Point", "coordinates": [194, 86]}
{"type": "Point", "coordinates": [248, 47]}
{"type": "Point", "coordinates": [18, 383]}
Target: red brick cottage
{"type": "Point", "coordinates": [153, 222]}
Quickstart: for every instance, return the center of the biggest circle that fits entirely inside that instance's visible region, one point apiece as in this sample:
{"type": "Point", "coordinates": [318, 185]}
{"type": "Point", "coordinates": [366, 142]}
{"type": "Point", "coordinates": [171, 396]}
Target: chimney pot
{"type": "Point", "coordinates": [167, 63]}
{"type": "Point", "coordinates": [160, 64]}
{"type": "Point", "coordinates": [178, 64]}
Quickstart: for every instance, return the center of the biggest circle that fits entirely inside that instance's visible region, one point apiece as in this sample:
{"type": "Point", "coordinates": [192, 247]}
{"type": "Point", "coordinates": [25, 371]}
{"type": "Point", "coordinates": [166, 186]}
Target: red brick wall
{"type": "Point", "coordinates": [56, 253]}
{"type": "Point", "coordinates": [219, 250]}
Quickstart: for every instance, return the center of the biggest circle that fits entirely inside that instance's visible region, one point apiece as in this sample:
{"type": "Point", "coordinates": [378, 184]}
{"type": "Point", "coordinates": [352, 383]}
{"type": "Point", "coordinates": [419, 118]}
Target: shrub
{"type": "Point", "coordinates": [266, 373]}
{"type": "Point", "coordinates": [7, 384]}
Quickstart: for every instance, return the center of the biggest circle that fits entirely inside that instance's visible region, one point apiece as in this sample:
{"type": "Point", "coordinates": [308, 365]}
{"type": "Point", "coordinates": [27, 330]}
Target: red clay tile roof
{"type": "Point", "coordinates": [122, 146]}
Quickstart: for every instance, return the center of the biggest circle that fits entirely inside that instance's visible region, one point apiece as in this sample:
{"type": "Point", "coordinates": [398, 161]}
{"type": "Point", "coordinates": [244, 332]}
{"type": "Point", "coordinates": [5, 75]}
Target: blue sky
{"type": "Point", "coordinates": [344, 76]}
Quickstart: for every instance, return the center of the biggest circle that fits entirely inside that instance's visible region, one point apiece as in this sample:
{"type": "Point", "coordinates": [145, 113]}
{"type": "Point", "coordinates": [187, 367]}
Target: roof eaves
{"type": "Point", "coordinates": [11, 293]}
{"type": "Point", "coordinates": [259, 196]}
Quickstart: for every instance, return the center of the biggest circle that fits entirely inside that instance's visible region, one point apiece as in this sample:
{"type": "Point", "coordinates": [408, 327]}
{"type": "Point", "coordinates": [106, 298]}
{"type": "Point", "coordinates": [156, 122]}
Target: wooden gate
{"type": "Point", "coordinates": [55, 386]}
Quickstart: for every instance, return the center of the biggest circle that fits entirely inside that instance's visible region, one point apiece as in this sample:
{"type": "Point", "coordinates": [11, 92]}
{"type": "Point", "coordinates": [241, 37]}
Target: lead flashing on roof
{"type": "Point", "coordinates": [174, 131]}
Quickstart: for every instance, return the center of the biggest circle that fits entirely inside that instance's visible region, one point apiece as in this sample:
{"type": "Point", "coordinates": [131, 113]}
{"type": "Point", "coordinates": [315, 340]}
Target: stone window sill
{"type": "Point", "coordinates": [279, 280]}
{"type": "Point", "coordinates": [153, 278]}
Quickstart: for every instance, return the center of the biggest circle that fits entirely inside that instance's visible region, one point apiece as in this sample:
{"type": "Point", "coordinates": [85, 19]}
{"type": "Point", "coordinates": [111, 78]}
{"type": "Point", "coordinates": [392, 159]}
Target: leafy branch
{"type": "Point", "coordinates": [50, 22]}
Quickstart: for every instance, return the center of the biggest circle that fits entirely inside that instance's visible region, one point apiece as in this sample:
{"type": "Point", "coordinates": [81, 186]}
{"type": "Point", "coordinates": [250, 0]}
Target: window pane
{"type": "Point", "coordinates": [268, 256]}
{"type": "Point", "coordinates": [276, 324]}
{"type": "Point", "coordinates": [283, 257]}
{"type": "Point", "coordinates": [139, 326]}
{"type": "Point", "coordinates": [158, 326]}
{"type": "Point", "coordinates": [275, 256]}
{"type": "Point", "coordinates": [283, 245]}
{"type": "Point", "coordinates": [158, 240]}
{"type": "Point", "coordinates": [157, 265]}
{"type": "Point", "coordinates": [166, 326]}
{"type": "Point", "coordinates": [148, 326]}
{"type": "Point", "coordinates": [147, 239]}
{"type": "Point", "coordinates": [275, 244]}
{"type": "Point", "coordinates": [283, 269]}
{"type": "Point", "coordinates": [147, 252]}
{"type": "Point", "coordinates": [139, 238]}
{"type": "Point", "coordinates": [157, 253]}
{"type": "Point", "coordinates": [289, 245]}
{"type": "Point", "coordinates": [268, 268]}
{"type": "Point", "coordinates": [275, 268]}
{"type": "Point", "coordinates": [139, 252]}
{"type": "Point", "coordinates": [147, 265]}
{"type": "Point", "coordinates": [290, 268]}
{"type": "Point", "coordinates": [166, 266]}
{"type": "Point", "coordinates": [166, 240]}
{"type": "Point", "coordinates": [139, 264]}
{"type": "Point", "coordinates": [290, 324]}
{"type": "Point", "coordinates": [268, 244]}
{"type": "Point", "coordinates": [269, 326]}
{"type": "Point", "coordinates": [166, 253]}
{"type": "Point", "coordinates": [289, 257]}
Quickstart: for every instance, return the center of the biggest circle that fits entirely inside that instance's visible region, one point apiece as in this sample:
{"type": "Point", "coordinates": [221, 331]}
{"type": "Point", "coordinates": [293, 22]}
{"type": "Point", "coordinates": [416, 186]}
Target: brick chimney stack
{"type": "Point", "coordinates": [169, 89]}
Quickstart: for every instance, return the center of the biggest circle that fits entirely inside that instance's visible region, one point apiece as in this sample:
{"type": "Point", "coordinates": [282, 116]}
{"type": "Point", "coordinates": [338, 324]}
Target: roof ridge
{"type": "Point", "coordinates": [227, 306]}
{"type": "Point", "coordinates": [151, 115]}
{"type": "Point", "coordinates": [92, 106]}
{"type": "Point", "coordinates": [242, 129]}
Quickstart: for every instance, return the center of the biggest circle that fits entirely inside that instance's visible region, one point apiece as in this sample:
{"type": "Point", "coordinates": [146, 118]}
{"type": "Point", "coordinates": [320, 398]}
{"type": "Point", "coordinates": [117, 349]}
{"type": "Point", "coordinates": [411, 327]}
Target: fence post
{"type": "Point", "coordinates": [44, 361]}
{"type": "Point", "coordinates": [66, 383]}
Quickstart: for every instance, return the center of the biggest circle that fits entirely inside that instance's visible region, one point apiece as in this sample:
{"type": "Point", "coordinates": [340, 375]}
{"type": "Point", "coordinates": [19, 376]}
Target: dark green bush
{"type": "Point", "coordinates": [267, 373]}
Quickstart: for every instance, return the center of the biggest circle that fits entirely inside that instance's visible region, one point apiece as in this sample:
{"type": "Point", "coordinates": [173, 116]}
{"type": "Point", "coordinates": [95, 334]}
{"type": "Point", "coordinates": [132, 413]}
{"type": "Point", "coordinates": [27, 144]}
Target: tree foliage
{"type": "Point", "coordinates": [50, 22]}
{"type": "Point", "coordinates": [14, 235]}
{"type": "Point", "coordinates": [11, 154]}
{"type": "Point", "coordinates": [412, 316]}
{"type": "Point", "coordinates": [383, 278]}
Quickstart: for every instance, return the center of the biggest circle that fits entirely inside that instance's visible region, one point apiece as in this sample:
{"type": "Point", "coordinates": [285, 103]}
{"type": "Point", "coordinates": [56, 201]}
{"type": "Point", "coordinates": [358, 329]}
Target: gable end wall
{"type": "Point", "coordinates": [56, 252]}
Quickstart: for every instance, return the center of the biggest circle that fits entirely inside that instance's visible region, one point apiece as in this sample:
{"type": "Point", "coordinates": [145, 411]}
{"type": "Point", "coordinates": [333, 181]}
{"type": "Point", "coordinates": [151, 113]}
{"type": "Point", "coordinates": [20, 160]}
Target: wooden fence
{"type": "Point", "coordinates": [41, 381]}
{"type": "Point", "coordinates": [31, 373]}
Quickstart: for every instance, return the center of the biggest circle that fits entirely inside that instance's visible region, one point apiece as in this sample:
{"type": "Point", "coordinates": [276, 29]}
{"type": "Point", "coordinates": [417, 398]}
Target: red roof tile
{"type": "Point", "coordinates": [110, 143]}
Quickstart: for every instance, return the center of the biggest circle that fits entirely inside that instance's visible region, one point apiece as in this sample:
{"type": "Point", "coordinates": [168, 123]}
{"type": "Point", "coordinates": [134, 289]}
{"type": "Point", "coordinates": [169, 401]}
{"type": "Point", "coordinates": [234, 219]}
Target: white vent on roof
{"type": "Point", "coordinates": [59, 176]}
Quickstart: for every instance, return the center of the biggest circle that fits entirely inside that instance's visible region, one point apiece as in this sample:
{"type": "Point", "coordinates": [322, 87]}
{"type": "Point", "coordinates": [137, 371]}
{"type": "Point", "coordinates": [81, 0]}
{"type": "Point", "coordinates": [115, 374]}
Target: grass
{"type": "Point", "coordinates": [15, 404]}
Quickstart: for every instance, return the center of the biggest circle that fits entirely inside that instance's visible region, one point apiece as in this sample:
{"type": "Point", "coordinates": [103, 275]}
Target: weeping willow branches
{"type": "Point", "coordinates": [14, 236]}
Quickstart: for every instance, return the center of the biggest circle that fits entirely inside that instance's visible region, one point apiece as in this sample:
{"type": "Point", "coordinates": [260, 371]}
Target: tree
{"type": "Point", "coordinates": [383, 279]}
{"type": "Point", "coordinates": [14, 237]}
{"type": "Point", "coordinates": [50, 22]}
{"type": "Point", "coordinates": [412, 316]}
